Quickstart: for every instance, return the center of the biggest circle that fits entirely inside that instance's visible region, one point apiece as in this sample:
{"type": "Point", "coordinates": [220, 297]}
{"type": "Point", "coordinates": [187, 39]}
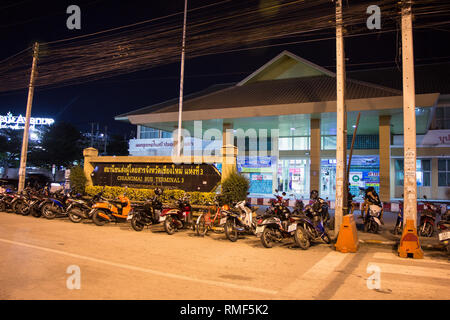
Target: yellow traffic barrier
{"type": "Point", "coordinates": [409, 243]}
{"type": "Point", "coordinates": [347, 240]}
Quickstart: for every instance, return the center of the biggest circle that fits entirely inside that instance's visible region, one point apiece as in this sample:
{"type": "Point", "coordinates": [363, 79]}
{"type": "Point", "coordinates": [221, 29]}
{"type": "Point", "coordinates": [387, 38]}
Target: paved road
{"type": "Point", "coordinates": [118, 263]}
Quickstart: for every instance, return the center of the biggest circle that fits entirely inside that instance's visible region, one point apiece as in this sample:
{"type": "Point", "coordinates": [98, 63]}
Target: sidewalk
{"type": "Point", "coordinates": [386, 237]}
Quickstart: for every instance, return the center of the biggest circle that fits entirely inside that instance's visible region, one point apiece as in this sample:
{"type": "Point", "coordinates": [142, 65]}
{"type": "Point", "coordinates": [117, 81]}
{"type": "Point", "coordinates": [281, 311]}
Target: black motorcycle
{"type": "Point", "coordinates": [271, 229]}
{"type": "Point", "coordinates": [56, 205]}
{"type": "Point", "coordinates": [6, 201]}
{"type": "Point", "coordinates": [147, 213]}
{"type": "Point", "coordinates": [81, 207]}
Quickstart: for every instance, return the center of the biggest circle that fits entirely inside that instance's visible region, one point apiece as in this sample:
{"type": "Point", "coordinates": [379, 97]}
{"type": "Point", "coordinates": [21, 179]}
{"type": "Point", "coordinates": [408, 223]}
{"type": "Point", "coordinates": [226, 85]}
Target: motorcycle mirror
{"type": "Point", "coordinates": [424, 196]}
{"type": "Point", "coordinates": [276, 190]}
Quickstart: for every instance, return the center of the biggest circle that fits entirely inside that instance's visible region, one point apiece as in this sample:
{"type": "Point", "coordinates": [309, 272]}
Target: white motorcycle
{"type": "Point", "coordinates": [240, 219]}
{"type": "Point", "coordinates": [372, 221]}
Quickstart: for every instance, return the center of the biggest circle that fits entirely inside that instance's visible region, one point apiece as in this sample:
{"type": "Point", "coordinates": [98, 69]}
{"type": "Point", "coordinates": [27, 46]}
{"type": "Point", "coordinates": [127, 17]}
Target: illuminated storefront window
{"type": "Point", "coordinates": [364, 172]}
{"type": "Point", "coordinates": [259, 172]}
{"type": "Point", "coordinates": [293, 176]}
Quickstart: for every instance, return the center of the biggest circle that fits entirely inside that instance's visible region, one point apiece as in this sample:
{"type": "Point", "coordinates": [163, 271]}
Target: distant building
{"type": "Point", "coordinates": [298, 98]}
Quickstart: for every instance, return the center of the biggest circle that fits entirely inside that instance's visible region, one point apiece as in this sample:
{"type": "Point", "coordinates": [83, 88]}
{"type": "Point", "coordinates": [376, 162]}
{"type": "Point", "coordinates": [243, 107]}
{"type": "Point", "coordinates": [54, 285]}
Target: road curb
{"type": "Point", "coordinates": [392, 243]}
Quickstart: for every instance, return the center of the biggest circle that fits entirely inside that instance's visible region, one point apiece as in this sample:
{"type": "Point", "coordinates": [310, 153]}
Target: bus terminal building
{"type": "Point", "coordinates": [297, 99]}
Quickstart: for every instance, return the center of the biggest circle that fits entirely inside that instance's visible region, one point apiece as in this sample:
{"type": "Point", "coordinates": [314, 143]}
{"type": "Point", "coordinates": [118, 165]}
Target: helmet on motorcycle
{"type": "Point", "coordinates": [314, 194]}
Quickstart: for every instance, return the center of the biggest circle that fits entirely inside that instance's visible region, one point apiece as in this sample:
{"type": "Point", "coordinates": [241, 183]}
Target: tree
{"type": "Point", "coordinates": [117, 146]}
{"type": "Point", "coordinates": [10, 147]}
{"type": "Point", "coordinates": [60, 145]}
{"type": "Point", "coordinates": [234, 188]}
{"type": "Point", "coordinates": [78, 179]}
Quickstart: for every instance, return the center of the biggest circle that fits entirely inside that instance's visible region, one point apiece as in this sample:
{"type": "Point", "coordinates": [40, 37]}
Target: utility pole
{"type": "Point", "coordinates": [26, 130]}
{"type": "Point", "coordinates": [180, 111]}
{"type": "Point", "coordinates": [341, 125]}
{"type": "Point", "coordinates": [409, 115]}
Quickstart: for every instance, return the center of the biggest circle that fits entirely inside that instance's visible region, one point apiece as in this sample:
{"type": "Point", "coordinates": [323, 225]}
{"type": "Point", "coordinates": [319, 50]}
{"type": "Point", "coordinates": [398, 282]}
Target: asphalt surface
{"type": "Point", "coordinates": [116, 262]}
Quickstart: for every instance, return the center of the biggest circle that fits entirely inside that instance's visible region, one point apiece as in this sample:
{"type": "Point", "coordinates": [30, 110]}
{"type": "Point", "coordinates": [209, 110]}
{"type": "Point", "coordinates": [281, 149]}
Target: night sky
{"type": "Point", "coordinates": [23, 22]}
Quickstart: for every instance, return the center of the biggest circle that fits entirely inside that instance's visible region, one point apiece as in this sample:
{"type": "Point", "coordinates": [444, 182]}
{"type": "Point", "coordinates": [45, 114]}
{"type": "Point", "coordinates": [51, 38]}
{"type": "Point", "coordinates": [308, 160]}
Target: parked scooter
{"type": "Point", "coordinates": [106, 211]}
{"type": "Point", "coordinates": [270, 229]}
{"type": "Point", "coordinates": [311, 227]}
{"type": "Point", "coordinates": [148, 213]}
{"type": "Point", "coordinates": [6, 201]}
{"type": "Point", "coordinates": [56, 205]}
{"type": "Point", "coordinates": [178, 216]}
{"type": "Point", "coordinates": [398, 229]}
{"type": "Point", "coordinates": [428, 219]}
{"type": "Point", "coordinates": [240, 220]}
{"type": "Point", "coordinates": [443, 227]}
{"type": "Point", "coordinates": [373, 210]}
{"type": "Point", "coordinates": [80, 209]}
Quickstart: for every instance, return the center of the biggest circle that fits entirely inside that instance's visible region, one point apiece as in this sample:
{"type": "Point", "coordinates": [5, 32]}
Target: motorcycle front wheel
{"type": "Point", "coordinates": [426, 230]}
{"type": "Point", "coordinates": [36, 213]}
{"type": "Point", "coordinates": [75, 216]}
{"type": "Point", "coordinates": [97, 219]}
{"type": "Point", "coordinates": [135, 224]}
{"type": "Point", "coordinates": [17, 207]}
{"type": "Point", "coordinates": [201, 228]}
{"type": "Point", "coordinates": [301, 238]}
{"type": "Point", "coordinates": [47, 211]}
{"type": "Point", "coordinates": [169, 225]}
{"type": "Point", "coordinates": [230, 230]}
{"type": "Point", "coordinates": [266, 238]}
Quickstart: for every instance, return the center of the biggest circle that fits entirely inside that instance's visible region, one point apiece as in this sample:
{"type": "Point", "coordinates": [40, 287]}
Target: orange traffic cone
{"type": "Point", "coordinates": [409, 243]}
{"type": "Point", "coordinates": [347, 239]}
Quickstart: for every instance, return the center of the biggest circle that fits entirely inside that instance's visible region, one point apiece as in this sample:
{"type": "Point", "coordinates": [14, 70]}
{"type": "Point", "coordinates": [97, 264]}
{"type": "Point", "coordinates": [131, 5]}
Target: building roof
{"type": "Point", "coordinates": [271, 92]}
{"type": "Point", "coordinates": [429, 78]}
{"type": "Point", "coordinates": [286, 86]}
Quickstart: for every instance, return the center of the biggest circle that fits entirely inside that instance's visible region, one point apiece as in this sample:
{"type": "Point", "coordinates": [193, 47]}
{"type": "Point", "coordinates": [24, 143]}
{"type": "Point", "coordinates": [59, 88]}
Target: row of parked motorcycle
{"type": "Point", "coordinates": [304, 224]}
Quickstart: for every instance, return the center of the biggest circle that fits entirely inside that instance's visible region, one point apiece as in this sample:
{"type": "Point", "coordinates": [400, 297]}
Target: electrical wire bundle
{"type": "Point", "coordinates": [224, 26]}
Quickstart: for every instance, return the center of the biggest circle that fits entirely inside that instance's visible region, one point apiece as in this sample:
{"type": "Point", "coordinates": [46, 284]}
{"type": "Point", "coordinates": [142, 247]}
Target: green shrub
{"type": "Point", "coordinates": [234, 188]}
{"type": "Point", "coordinates": [78, 179]}
{"type": "Point", "coordinates": [197, 198]}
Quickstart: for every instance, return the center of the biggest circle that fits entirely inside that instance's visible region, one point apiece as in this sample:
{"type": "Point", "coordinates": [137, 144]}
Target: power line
{"type": "Point", "coordinates": [237, 27]}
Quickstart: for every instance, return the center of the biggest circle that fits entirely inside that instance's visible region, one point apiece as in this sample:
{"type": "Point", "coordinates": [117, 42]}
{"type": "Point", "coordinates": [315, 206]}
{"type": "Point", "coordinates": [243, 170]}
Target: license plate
{"type": "Point", "coordinates": [223, 221]}
{"type": "Point", "coordinates": [292, 227]}
{"type": "Point", "coordinates": [259, 230]}
{"type": "Point", "coordinates": [444, 236]}
{"type": "Point", "coordinates": [161, 219]}
{"type": "Point", "coordinates": [130, 216]}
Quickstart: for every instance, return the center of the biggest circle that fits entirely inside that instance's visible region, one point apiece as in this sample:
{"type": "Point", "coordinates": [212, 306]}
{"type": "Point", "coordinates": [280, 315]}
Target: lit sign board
{"type": "Point", "coordinates": [14, 122]}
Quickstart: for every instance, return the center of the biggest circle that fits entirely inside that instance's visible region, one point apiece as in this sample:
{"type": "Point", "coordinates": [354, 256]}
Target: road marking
{"type": "Point", "coordinates": [322, 269]}
{"type": "Point", "coordinates": [312, 281]}
{"type": "Point", "coordinates": [413, 270]}
{"type": "Point", "coordinates": [145, 270]}
{"type": "Point", "coordinates": [392, 256]}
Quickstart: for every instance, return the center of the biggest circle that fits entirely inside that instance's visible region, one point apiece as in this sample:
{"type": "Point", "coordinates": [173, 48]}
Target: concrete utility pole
{"type": "Point", "coordinates": [26, 130]}
{"type": "Point", "coordinates": [180, 111]}
{"type": "Point", "coordinates": [341, 126]}
{"type": "Point", "coordinates": [409, 115]}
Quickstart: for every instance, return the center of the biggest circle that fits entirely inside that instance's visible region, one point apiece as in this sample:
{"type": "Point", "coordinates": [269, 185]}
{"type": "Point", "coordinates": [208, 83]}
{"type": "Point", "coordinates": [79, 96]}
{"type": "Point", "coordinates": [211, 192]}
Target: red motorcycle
{"type": "Point", "coordinates": [428, 218]}
{"type": "Point", "coordinates": [178, 216]}
{"type": "Point", "coordinates": [443, 227]}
